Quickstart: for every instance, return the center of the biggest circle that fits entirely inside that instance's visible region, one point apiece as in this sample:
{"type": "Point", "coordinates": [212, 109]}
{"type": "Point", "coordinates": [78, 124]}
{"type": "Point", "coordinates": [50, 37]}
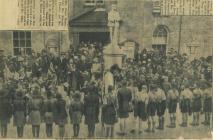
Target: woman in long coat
{"type": "Point", "coordinates": [60, 114]}
{"type": "Point", "coordinates": [5, 110]}
{"type": "Point", "coordinates": [19, 112]}
{"type": "Point", "coordinates": [35, 106]}
{"type": "Point", "coordinates": [91, 110]}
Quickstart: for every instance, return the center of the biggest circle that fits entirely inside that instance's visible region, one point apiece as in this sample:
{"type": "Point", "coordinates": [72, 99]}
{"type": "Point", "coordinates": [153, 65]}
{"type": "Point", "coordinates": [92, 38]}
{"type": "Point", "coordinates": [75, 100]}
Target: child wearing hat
{"type": "Point", "coordinates": [76, 112]}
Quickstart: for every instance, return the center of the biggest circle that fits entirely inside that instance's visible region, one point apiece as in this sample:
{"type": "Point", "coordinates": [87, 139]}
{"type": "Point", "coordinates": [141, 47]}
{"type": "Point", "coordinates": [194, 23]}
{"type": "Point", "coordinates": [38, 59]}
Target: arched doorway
{"type": "Point", "coordinates": [160, 38]}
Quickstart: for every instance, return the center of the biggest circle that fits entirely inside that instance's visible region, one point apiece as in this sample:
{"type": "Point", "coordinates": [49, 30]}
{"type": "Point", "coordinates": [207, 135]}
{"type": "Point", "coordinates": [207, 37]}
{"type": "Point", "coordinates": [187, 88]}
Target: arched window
{"type": "Point", "coordinates": [160, 31]}
{"type": "Point", "coordinates": [160, 38]}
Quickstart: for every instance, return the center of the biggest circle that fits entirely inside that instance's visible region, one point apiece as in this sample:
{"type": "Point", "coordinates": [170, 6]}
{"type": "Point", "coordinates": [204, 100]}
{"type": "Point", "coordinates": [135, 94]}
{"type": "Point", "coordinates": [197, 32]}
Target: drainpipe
{"type": "Point", "coordinates": [180, 31]}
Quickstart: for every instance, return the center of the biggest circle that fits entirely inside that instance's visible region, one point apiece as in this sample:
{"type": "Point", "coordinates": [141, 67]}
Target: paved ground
{"type": "Point", "coordinates": [197, 132]}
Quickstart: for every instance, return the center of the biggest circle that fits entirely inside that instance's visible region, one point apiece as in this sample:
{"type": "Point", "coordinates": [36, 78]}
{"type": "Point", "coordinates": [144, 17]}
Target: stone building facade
{"type": "Point", "coordinates": [16, 42]}
{"type": "Point", "coordinates": [142, 22]}
{"type": "Point", "coordinates": [24, 42]}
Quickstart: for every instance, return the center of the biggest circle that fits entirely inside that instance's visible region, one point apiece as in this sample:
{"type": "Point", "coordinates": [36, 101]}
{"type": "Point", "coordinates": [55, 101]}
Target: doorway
{"type": "Point", "coordinates": [101, 37]}
{"type": "Point", "coordinates": [160, 39]}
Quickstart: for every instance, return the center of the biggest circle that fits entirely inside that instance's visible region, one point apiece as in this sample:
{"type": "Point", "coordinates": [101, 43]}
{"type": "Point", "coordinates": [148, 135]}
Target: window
{"type": "Point", "coordinates": [160, 31]}
{"type": "Point", "coordinates": [22, 42]}
{"type": "Point", "coordinates": [160, 38]}
{"type": "Point", "coordinates": [156, 7]}
{"type": "Point", "coordinates": [99, 2]}
{"type": "Point", "coordinates": [93, 2]}
{"type": "Point", "coordinates": [193, 48]}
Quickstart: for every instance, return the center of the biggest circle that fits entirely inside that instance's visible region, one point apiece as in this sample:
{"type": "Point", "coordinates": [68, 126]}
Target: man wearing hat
{"type": "Point", "coordinates": [19, 111]}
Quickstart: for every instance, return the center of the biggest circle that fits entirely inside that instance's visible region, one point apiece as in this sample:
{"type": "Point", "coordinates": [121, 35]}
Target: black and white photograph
{"type": "Point", "coordinates": [106, 69]}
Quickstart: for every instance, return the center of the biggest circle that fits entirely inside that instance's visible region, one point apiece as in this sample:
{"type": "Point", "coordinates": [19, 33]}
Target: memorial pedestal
{"type": "Point", "coordinates": [112, 55]}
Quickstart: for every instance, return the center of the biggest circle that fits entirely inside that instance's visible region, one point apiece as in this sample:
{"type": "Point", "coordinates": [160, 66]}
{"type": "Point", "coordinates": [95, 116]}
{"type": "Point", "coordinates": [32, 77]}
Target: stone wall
{"type": "Point", "coordinates": [6, 42]}
{"type": "Point", "coordinates": [38, 40]}
{"type": "Point", "coordinates": [139, 24]}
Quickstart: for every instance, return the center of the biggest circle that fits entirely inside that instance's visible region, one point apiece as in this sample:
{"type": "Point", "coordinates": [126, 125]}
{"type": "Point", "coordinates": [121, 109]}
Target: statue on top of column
{"type": "Point", "coordinates": [113, 23]}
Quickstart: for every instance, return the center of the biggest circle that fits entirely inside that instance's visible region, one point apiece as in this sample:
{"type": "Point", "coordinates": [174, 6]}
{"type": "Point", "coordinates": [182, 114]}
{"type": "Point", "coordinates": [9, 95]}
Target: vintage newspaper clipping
{"type": "Point", "coordinates": [106, 69]}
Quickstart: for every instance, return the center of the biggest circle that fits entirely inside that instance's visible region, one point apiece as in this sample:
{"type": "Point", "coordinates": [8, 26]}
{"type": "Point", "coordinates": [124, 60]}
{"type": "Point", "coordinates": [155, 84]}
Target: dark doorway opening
{"type": "Point", "coordinates": [101, 37]}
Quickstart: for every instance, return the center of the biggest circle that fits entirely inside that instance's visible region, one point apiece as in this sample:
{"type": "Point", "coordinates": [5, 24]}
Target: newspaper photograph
{"type": "Point", "coordinates": [106, 69]}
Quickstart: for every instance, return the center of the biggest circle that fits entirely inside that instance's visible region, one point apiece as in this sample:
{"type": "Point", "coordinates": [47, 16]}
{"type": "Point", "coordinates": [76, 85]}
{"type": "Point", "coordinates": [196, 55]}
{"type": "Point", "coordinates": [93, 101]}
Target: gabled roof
{"type": "Point", "coordinates": [93, 17]}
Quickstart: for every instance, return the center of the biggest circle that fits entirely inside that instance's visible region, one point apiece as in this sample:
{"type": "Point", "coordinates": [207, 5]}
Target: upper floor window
{"type": "Point", "coordinates": [93, 2]}
{"type": "Point", "coordinates": [156, 7]}
{"type": "Point", "coordinates": [22, 42]}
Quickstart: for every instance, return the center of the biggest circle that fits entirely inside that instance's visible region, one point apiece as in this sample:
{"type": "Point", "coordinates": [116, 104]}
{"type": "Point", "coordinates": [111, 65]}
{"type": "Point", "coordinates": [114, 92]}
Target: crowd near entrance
{"type": "Point", "coordinates": [102, 37]}
{"type": "Point", "coordinates": [46, 87]}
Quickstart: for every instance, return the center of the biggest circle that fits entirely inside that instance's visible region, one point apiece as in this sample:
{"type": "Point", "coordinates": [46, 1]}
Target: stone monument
{"type": "Point", "coordinates": [113, 54]}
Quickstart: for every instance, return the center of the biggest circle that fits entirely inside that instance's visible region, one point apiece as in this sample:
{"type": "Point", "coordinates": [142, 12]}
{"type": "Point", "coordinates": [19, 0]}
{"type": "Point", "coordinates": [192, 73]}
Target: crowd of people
{"type": "Point", "coordinates": [48, 88]}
